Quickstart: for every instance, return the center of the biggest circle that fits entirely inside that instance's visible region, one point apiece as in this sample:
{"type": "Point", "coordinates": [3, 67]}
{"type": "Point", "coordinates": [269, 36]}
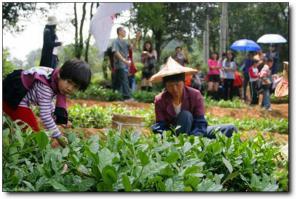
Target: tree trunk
{"type": "Point", "coordinates": [75, 23]}
{"type": "Point", "coordinates": [223, 28]}
{"type": "Point", "coordinates": [80, 45]}
{"type": "Point", "coordinates": [206, 41]}
{"type": "Point", "coordinates": [89, 35]}
{"type": "Point", "coordinates": [158, 43]}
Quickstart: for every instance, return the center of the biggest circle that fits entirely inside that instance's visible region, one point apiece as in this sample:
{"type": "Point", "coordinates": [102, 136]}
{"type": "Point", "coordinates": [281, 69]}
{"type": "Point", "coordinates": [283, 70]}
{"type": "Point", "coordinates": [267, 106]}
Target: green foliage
{"type": "Point", "coordinates": [130, 162]}
{"type": "Point", "coordinates": [235, 103]}
{"type": "Point", "coordinates": [67, 53]}
{"type": "Point", "coordinates": [260, 13]}
{"type": "Point", "coordinates": [101, 117]}
{"type": "Point", "coordinates": [13, 10]}
{"type": "Point", "coordinates": [279, 100]}
{"type": "Point", "coordinates": [99, 93]}
{"type": "Point", "coordinates": [260, 124]}
{"type": "Point", "coordinates": [8, 66]}
{"type": "Point", "coordinates": [144, 96]}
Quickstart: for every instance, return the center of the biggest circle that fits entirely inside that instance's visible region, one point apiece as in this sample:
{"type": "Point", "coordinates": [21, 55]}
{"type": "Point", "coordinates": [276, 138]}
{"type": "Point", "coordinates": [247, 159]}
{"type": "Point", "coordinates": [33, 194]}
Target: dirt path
{"type": "Point", "coordinates": [279, 111]}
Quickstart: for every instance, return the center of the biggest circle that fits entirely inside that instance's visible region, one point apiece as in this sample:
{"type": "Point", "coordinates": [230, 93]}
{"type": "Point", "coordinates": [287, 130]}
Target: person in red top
{"type": "Point", "coordinates": [214, 75]}
{"type": "Point", "coordinates": [131, 70]}
{"type": "Point", "coordinates": [237, 84]}
{"type": "Point", "coordinates": [254, 76]}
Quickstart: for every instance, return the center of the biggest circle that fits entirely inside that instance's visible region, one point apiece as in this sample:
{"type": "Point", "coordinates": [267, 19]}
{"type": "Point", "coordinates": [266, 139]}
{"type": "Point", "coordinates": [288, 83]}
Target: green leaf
{"type": "Point", "coordinates": [82, 169]}
{"type": "Point", "coordinates": [41, 139]}
{"type": "Point", "coordinates": [230, 176]}
{"type": "Point", "coordinates": [109, 175]}
{"type": "Point", "coordinates": [172, 157]}
{"type": "Point", "coordinates": [126, 183]}
{"type": "Point", "coordinates": [19, 137]}
{"type": "Point", "coordinates": [29, 185]}
{"type": "Point", "coordinates": [105, 158]}
{"type": "Point", "coordinates": [86, 184]}
{"type": "Point", "coordinates": [57, 186]}
{"type": "Point", "coordinates": [227, 164]}
{"type": "Point", "coordinates": [271, 187]}
{"type": "Point", "coordinates": [65, 152]}
{"type": "Point", "coordinates": [94, 147]}
{"type": "Point", "coordinates": [191, 170]}
{"type": "Point", "coordinates": [187, 146]}
{"type": "Point", "coordinates": [143, 158]}
{"type": "Point", "coordinates": [208, 185]}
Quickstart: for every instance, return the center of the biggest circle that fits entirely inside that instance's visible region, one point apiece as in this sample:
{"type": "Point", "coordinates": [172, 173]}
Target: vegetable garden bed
{"type": "Point", "coordinates": [135, 163]}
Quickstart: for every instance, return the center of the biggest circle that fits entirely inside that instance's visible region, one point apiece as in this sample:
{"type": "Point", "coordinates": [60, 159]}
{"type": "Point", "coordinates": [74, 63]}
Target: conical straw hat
{"type": "Point", "coordinates": [171, 67]}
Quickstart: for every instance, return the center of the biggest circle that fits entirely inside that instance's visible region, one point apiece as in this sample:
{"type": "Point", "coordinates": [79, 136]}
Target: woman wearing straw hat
{"type": "Point", "coordinates": [48, 54]}
{"type": "Point", "coordinates": [180, 107]}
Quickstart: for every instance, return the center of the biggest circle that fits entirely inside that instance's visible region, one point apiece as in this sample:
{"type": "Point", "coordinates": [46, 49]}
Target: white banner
{"type": "Point", "coordinates": [102, 22]}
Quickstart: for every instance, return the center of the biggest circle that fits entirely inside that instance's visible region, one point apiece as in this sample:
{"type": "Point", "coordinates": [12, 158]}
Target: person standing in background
{"type": "Point", "coordinates": [229, 67]}
{"type": "Point", "coordinates": [254, 77]}
{"type": "Point", "coordinates": [149, 58]}
{"type": "Point", "coordinates": [120, 48]}
{"type": "Point", "coordinates": [214, 75]}
{"type": "Point", "coordinates": [50, 43]}
{"type": "Point", "coordinates": [265, 76]}
{"type": "Point", "coordinates": [248, 62]}
{"type": "Point", "coordinates": [180, 56]}
{"type": "Point", "coordinates": [274, 55]}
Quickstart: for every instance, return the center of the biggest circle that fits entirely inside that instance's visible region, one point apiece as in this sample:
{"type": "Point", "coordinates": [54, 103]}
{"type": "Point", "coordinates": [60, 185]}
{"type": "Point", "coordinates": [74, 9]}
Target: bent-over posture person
{"type": "Point", "coordinates": [180, 107]}
{"type": "Point", "coordinates": [39, 86]}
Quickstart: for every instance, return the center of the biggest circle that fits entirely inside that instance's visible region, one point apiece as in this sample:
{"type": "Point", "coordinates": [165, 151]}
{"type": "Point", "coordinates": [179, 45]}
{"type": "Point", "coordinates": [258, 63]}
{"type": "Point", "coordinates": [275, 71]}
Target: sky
{"type": "Point", "coordinates": [21, 44]}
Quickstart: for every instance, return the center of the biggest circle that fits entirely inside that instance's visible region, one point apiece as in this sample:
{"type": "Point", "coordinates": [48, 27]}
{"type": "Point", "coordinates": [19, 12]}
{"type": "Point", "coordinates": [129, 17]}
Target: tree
{"type": "Point", "coordinates": [266, 18]}
{"type": "Point", "coordinates": [11, 11]}
{"type": "Point", "coordinates": [167, 21]}
{"type": "Point", "coordinates": [8, 66]}
{"type": "Point", "coordinates": [33, 58]}
{"type": "Point", "coordinates": [89, 35]}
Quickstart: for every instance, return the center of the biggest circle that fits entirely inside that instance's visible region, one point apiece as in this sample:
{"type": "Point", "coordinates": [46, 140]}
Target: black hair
{"type": "Point", "coordinates": [151, 46]}
{"type": "Point", "coordinates": [178, 47]}
{"type": "Point", "coordinates": [268, 59]}
{"type": "Point", "coordinates": [215, 54]}
{"type": "Point", "coordinates": [173, 78]}
{"type": "Point", "coordinates": [118, 29]}
{"type": "Point", "coordinates": [233, 55]}
{"type": "Point", "coordinates": [77, 71]}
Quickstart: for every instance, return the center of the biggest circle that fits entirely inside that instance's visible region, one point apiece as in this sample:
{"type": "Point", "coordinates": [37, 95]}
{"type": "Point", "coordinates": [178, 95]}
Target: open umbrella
{"type": "Point", "coordinates": [271, 39]}
{"type": "Point", "coordinates": [245, 45]}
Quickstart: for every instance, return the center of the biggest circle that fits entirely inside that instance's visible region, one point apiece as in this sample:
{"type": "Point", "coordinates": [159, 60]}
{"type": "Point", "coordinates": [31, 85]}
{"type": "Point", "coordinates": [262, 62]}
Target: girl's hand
{"type": "Point", "coordinates": [63, 141]}
{"type": "Point", "coordinates": [68, 125]}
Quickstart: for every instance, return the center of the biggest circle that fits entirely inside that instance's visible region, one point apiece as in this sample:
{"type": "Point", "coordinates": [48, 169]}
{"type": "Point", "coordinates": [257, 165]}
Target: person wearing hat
{"type": "Point", "coordinates": [180, 107]}
{"type": "Point", "coordinates": [50, 42]}
{"type": "Point", "coordinates": [282, 86]}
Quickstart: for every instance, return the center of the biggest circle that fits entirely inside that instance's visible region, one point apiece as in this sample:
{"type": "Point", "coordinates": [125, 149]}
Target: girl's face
{"type": "Point", "coordinates": [214, 56]}
{"type": "Point", "coordinates": [67, 87]}
{"type": "Point", "coordinates": [175, 89]}
{"type": "Point", "coordinates": [147, 46]}
{"type": "Point", "coordinates": [229, 55]}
